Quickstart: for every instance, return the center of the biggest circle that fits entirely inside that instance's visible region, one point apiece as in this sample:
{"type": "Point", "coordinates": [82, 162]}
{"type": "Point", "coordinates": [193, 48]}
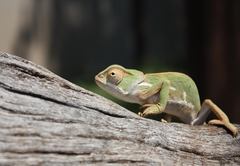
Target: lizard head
{"type": "Point", "coordinates": [118, 81]}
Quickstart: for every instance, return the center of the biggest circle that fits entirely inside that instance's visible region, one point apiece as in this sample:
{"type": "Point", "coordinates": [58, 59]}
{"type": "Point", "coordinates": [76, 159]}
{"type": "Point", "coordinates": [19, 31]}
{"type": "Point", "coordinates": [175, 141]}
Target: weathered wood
{"type": "Point", "coordinates": [46, 120]}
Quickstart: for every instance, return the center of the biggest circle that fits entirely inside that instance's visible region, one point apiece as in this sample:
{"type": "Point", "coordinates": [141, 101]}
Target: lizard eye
{"type": "Point", "coordinates": [112, 73]}
{"type": "Point", "coordinates": [115, 76]}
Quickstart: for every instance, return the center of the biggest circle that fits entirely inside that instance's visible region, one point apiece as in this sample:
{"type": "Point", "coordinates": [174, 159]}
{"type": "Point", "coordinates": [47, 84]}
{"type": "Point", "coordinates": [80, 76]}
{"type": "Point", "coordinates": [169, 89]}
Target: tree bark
{"type": "Point", "coordinates": [46, 120]}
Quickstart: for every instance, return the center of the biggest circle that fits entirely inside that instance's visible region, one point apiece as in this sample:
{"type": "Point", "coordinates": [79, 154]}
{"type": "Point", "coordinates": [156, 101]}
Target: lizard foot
{"type": "Point", "coordinates": [230, 126]}
{"type": "Point", "coordinates": [164, 121]}
{"type": "Point", "coordinates": [150, 109]}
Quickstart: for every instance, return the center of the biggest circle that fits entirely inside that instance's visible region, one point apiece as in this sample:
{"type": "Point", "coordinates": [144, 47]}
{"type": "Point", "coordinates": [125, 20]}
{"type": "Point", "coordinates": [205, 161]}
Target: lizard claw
{"type": "Point", "coordinates": [140, 114]}
{"type": "Point", "coordinates": [144, 113]}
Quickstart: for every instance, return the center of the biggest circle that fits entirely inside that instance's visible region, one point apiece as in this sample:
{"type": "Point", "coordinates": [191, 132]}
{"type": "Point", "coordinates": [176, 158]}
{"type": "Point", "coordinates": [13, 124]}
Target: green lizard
{"type": "Point", "coordinates": [170, 92]}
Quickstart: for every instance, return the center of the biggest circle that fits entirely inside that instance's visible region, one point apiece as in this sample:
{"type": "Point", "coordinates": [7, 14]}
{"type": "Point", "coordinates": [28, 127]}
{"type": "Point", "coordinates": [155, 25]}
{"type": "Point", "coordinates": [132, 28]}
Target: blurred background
{"type": "Point", "coordinates": [76, 39]}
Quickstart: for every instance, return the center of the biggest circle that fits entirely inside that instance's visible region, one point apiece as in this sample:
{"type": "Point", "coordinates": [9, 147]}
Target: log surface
{"type": "Point", "coordinates": [46, 120]}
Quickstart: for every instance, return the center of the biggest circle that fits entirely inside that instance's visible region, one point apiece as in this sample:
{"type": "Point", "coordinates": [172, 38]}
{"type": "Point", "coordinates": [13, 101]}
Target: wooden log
{"type": "Point", "coordinates": [46, 120]}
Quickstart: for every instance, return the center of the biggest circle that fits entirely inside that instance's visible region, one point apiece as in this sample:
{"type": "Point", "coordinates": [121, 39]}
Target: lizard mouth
{"type": "Point", "coordinates": [99, 79]}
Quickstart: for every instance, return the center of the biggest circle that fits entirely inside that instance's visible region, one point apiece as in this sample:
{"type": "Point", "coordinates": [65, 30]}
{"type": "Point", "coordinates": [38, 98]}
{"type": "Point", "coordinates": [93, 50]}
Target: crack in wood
{"type": "Point", "coordinates": [11, 89]}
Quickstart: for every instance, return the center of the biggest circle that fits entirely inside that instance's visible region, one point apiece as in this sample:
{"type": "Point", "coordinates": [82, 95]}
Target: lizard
{"type": "Point", "coordinates": [172, 93]}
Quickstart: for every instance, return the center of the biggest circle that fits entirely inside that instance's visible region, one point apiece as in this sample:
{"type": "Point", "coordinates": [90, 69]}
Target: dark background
{"type": "Point", "coordinates": [76, 39]}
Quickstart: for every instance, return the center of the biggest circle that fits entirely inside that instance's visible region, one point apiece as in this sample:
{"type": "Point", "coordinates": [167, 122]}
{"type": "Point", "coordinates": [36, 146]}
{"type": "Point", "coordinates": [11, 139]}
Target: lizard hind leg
{"type": "Point", "coordinates": [209, 106]}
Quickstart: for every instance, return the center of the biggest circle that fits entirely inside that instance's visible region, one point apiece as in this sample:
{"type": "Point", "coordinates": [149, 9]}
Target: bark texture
{"type": "Point", "coordinates": [46, 120]}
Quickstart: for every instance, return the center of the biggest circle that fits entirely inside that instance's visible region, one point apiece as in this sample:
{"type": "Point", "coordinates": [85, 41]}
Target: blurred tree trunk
{"type": "Point", "coordinates": [214, 38]}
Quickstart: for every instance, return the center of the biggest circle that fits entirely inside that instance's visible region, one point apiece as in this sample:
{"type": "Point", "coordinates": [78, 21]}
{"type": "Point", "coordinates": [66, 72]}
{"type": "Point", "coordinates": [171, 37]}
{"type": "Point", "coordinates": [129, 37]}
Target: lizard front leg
{"type": "Point", "coordinates": [153, 109]}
